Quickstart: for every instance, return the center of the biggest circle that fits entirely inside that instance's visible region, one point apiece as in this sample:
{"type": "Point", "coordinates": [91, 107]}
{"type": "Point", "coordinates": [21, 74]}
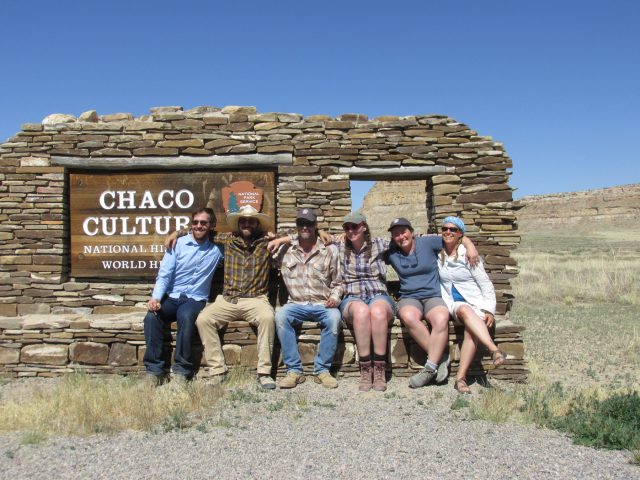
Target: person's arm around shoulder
{"type": "Point", "coordinates": [274, 245]}
{"type": "Point", "coordinates": [335, 274]}
{"type": "Point", "coordinates": [472, 256]}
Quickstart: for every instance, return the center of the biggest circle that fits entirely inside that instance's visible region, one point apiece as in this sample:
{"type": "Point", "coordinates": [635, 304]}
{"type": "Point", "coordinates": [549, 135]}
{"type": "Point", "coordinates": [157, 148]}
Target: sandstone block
{"type": "Point", "coordinates": [34, 308]}
{"type": "Point", "coordinates": [233, 355]}
{"type": "Point", "coordinates": [234, 109]}
{"type": "Point", "coordinates": [89, 116]}
{"type": "Point", "coordinates": [56, 118]}
{"type": "Point", "coordinates": [36, 322]}
{"type": "Point", "coordinates": [345, 354]}
{"type": "Point", "coordinates": [122, 354]}
{"type": "Point", "coordinates": [485, 197]}
{"type": "Point", "coordinates": [9, 355]}
{"type": "Point", "coordinates": [151, 151]}
{"type": "Point", "coordinates": [8, 310]}
{"type": "Point", "coordinates": [11, 323]}
{"type": "Point", "coordinates": [307, 353]}
{"type": "Point", "coordinates": [117, 117]}
{"type": "Point", "coordinates": [45, 354]}
{"type": "Point", "coordinates": [89, 353]}
{"type": "Point", "coordinates": [398, 352]}
{"type": "Point", "coordinates": [249, 356]}
{"type": "Point", "coordinates": [34, 162]}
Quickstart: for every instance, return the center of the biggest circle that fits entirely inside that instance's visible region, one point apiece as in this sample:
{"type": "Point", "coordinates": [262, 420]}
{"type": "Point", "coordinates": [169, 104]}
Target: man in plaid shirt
{"type": "Point", "coordinates": [312, 274]}
{"type": "Point", "coordinates": [244, 296]}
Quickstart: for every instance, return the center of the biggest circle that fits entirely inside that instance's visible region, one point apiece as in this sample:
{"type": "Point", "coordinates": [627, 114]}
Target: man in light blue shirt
{"type": "Point", "coordinates": [180, 293]}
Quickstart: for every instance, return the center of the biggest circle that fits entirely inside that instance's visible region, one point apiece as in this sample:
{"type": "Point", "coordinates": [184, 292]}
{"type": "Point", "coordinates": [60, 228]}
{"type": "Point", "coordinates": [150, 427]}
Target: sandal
{"type": "Point", "coordinates": [498, 358]}
{"type": "Point", "coordinates": [461, 386]}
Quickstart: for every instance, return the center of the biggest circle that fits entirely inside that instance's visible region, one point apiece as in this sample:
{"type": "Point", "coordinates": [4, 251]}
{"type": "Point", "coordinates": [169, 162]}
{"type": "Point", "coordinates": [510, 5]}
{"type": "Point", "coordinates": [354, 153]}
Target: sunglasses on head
{"type": "Point", "coordinates": [350, 226]}
{"type": "Point", "coordinates": [450, 229]}
{"type": "Point", "coordinates": [304, 223]}
{"type": "Point", "coordinates": [200, 222]}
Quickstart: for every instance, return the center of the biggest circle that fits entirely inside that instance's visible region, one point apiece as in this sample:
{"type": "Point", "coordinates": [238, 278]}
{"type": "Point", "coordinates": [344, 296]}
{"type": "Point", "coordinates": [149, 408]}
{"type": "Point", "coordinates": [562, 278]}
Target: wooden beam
{"type": "Point", "coordinates": [395, 173]}
{"type": "Point", "coordinates": [179, 162]}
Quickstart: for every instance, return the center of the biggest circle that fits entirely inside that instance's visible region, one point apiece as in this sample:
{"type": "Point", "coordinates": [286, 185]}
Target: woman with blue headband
{"type": "Point", "coordinates": [470, 297]}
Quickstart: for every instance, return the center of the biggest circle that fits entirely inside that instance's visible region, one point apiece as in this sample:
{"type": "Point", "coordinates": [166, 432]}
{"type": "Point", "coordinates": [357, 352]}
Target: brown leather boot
{"type": "Point", "coordinates": [379, 376]}
{"type": "Point", "coordinates": [366, 373]}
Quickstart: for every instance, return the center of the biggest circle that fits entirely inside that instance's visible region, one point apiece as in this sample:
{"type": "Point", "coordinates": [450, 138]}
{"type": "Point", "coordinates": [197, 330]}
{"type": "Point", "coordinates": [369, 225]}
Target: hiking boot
{"type": "Point", "coordinates": [443, 369]}
{"type": "Point", "coordinates": [366, 373]}
{"type": "Point", "coordinates": [266, 382]}
{"type": "Point", "coordinates": [379, 376]}
{"type": "Point", "coordinates": [326, 380]}
{"type": "Point", "coordinates": [292, 379]}
{"type": "Point", "coordinates": [423, 377]}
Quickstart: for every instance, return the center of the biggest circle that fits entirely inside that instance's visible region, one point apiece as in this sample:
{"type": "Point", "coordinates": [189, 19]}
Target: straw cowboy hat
{"type": "Point", "coordinates": [250, 212]}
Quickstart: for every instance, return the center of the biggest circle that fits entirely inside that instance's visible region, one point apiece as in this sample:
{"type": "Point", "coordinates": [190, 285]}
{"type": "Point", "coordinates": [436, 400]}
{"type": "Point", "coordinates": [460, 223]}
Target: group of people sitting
{"type": "Point", "coordinates": [329, 280]}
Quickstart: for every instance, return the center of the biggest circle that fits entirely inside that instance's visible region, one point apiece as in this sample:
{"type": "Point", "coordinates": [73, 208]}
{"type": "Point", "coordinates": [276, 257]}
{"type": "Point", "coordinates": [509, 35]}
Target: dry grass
{"type": "Point", "coordinates": [578, 295]}
{"type": "Point", "coordinates": [82, 405]}
{"type": "Point", "coordinates": [589, 268]}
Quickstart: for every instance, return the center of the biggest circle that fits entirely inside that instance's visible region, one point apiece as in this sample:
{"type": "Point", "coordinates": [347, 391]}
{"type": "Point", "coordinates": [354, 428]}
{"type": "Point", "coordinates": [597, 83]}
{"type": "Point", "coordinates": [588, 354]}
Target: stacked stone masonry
{"type": "Point", "coordinates": [470, 179]}
{"type": "Point", "coordinates": [49, 345]}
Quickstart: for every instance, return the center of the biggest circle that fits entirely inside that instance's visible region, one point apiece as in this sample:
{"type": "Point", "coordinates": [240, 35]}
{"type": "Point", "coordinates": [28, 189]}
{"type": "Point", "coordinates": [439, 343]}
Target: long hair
{"type": "Point", "coordinates": [348, 247]}
{"type": "Point", "coordinates": [455, 258]}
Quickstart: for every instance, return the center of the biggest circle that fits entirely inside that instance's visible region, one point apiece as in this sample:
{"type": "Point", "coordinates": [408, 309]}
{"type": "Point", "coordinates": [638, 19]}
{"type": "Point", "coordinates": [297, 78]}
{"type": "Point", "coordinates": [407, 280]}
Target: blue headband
{"type": "Point", "coordinates": [456, 221]}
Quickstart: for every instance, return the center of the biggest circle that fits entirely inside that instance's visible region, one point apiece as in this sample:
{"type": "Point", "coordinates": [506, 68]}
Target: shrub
{"type": "Point", "coordinates": [611, 423]}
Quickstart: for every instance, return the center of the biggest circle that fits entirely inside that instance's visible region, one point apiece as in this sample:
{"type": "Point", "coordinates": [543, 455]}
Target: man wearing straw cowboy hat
{"type": "Point", "coordinates": [244, 295]}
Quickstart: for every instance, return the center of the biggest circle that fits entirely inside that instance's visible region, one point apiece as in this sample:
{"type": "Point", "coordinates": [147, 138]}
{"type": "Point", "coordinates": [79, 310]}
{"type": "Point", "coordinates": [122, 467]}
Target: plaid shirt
{"type": "Point", "coordinates": [246, 267]}
{"type": "Point", "coordinates": [365, 273]}
{"type": "Point", "coordinates": [312, 279]}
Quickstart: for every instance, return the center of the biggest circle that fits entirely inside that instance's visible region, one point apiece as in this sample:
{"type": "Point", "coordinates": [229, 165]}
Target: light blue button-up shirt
{"type": "Point", "coordinates": [187, 269]}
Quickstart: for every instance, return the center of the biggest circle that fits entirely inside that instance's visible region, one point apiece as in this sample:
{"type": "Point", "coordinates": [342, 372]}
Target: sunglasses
{"type": "Point", "coordinates": [200, 222]}
{"type": "Point", "coordinates": [450, 229]}
{"type": "Point", "coordinates": [304, 223]}
{"type": "Point", "coordinates": [350, 226]}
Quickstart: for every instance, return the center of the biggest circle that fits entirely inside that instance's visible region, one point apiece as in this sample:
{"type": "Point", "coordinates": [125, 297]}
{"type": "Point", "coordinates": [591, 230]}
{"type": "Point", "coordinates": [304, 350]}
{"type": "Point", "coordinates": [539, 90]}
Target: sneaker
{"type": "Point", "coordinates": [326, 380]}
{"type": "Point", "coordinates": [266, 382]}
{"type": "Point", "coordinates": [292, 379]}
{"type": "Point", "coordinates": [443, 369]}
{"type": "Point", "coordinates": [422, 378]}
{"type": "Point", "coordinates": [153, 380]}
{"type": "Point", "coordinates": [366, 373]}
{"type": "Point", "coordinates": [379, 376]}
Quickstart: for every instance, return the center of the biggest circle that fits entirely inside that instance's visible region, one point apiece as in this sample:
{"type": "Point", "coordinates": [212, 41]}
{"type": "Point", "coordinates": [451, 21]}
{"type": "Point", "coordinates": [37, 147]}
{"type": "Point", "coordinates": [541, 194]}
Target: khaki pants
{"type": "Point", "coordinates": [258, 312]}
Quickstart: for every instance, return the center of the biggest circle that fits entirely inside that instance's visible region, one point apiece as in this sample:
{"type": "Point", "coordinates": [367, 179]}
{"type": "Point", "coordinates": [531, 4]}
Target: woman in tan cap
{"type": "Point", "coordinates": [366, 305]}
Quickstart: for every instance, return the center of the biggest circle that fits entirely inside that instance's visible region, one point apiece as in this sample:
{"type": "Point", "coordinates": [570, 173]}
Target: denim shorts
{"type": "Point", "coordinates": [369, 300]}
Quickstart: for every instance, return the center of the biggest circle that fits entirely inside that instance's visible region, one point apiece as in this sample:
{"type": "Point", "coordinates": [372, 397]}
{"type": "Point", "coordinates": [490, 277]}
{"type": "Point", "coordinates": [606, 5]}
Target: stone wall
{"type": "Point", "coordinates": [50, 345]}
{"type": "Point", "coordinates": [314, 157]}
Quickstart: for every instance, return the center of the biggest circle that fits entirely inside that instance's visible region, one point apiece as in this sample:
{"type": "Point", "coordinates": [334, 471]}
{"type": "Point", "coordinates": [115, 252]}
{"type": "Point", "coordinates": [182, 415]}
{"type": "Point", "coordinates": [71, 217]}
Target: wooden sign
{"type": "Point", "coordinates": [119, 221]}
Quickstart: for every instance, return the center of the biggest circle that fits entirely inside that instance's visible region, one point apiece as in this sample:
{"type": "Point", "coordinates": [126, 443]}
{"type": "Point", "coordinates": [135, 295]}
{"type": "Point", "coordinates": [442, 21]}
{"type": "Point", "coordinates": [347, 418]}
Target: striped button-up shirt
{"type": "Point", "coordinates": [312, 278]}
{"type": "Point", "coordinates": [364, 273]}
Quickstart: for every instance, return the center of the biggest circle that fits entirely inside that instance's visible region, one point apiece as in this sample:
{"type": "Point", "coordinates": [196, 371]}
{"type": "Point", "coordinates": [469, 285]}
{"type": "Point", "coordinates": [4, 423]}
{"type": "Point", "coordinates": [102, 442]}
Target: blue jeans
{"type": "Point", "coordinates": [292, 315]}
{"type": "Point", "coordinates": [183, 310]}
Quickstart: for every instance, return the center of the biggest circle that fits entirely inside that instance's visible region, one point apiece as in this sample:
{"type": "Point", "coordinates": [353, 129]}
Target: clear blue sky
{"type": "Point", "coordinates": [557, 82]}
